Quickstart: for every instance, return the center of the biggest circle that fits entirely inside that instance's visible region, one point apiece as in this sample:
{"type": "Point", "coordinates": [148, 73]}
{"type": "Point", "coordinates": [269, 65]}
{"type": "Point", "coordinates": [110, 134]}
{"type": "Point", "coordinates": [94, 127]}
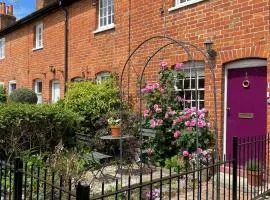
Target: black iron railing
{"type": "Point", "coordinates": [224, 178]}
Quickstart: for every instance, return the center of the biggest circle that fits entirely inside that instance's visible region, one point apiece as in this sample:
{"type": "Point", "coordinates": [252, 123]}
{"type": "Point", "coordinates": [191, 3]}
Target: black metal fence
{"type": "Point", "coordinates": [225, 178]}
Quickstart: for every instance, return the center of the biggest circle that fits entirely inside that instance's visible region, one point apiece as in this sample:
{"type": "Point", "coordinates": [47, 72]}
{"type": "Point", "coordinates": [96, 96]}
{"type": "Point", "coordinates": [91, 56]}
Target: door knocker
{"type": "Point", "coordinates": [246, 82]}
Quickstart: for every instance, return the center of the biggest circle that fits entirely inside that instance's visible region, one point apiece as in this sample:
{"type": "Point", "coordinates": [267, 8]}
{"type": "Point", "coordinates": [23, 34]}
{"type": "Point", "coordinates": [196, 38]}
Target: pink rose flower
{"type": "Point", "coordinates": [176, 134]}
{"type": "Point", "coordinates": [159, 122]}
{"type": "Point", "coordinates": [161, 90]}
{"type": "Point", "coordinates": [201, 116]}
{"type": "Point", "coordinates": [189, 129]}
{"type": "Point", "coordinates": [199, 150]}
{"type": "Point", "coordinates": [204, 153]}
{"type": "Point", "coordinates": [178, 66]}
{"type": "Point", "coordinates": [146, 113]}
{"type": "Point", "coordinates": [185, 154]}
{"type": "Point", "coordinates": [201, 124]}
{"type": "Point", "coordinates": [157, 108]}
{"type": "Point", "coordinates": [192, 123]}
{"type": "Point", "coordinates": [164, 65]}
{"type": "Point", "coordinates": [187, 123]}
{"type": "Point", "coordinates": [153, 123]}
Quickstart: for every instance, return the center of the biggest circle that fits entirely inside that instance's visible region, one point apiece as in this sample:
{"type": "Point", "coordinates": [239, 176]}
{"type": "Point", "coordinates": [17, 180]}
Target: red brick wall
{"type": "Point", "coordinates": [239, 29]}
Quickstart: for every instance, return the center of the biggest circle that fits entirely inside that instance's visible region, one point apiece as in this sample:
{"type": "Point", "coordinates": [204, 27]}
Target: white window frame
{"type": "Point", "coordinates": [39, 29]}
{"type": "Point", "coordinates": [102, 76]}
{"type": "Point", "coordinates": [103, 15]}
{"type": "Point", "coordinates": [9, 86]}
{"type": "Point", "coordinates": [36, 89]}
{"type": "Point", "coordinates": [2, 48]}
{"type": "Point", "coordinates": [183, 3]}
{"type": "Point", "coordinates": [189, 93]}
{"type": "Point", "coordinates": [53, 82]}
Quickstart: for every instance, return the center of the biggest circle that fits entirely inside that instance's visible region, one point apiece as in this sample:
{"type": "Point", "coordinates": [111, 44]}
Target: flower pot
{"type": "Point", "coordinates": [115, 129]}
{"type": "Point", "coordinates": [254, 178]}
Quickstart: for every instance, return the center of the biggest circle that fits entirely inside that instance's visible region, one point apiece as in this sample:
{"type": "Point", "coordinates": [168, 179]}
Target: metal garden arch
{"type": "Point", "coordinates": [208, 55]}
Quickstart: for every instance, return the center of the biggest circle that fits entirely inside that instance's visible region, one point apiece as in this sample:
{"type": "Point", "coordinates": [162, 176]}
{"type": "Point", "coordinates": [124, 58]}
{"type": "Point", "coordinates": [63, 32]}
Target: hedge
{"type": "Point", "coordinates": [35, 127]}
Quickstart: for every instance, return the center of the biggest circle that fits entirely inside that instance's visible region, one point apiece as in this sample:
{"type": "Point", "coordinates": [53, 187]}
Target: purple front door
{"type": "Point", "coordinates": [246, 104]}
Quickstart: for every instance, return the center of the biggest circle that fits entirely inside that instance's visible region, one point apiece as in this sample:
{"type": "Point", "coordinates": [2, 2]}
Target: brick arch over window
{"type": "Point", "coordinates": [237, 54]}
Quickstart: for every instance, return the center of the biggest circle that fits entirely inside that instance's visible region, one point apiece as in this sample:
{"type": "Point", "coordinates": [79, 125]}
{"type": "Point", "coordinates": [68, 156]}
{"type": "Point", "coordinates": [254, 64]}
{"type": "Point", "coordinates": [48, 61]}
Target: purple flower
{"type": "Point", "coordinates": [178, 66]}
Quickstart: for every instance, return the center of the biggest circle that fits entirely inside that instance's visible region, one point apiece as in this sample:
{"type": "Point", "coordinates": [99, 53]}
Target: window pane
{"type": "Point", "coordinates": [39, 87]}
{"type": "Point", "coordinates": [101, 12]}
{"type": "Point", "coordinates": [109, 20]}
{"type": "Point", "coordinates": [186, 84]}
{"type": "Point", "coordinates": [201, 105]}
{"type": "Point", "coordinates": [109, 10]}
{"type": "Point", "coordinates": [201, 95]}
{"type": "Point", "coordinates": [193, 83]}
{"type": "Point", "coordinates": [201, 83]}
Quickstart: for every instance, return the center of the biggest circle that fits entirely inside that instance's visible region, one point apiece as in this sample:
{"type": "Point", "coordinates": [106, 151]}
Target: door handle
{"type": "Point", "coordinates": [228, 108]}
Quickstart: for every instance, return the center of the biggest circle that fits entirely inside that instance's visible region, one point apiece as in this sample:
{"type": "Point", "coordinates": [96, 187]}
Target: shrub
{"type": "Point", "coordinates": [35, 127]}
{"type": "Point", "coordinates": [92, 101]}
{"type": "Point", "coordinates": [3, 96]}
{"type": "Point", "coordinates": [23, 95]}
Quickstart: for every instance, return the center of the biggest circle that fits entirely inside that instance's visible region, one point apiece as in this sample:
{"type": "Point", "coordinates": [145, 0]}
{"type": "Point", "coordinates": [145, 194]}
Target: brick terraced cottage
{"type": "Point", "coordinates": [70, 40]}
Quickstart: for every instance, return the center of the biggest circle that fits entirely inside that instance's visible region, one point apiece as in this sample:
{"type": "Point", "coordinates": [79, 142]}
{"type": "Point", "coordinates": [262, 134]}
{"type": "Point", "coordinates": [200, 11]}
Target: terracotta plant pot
{"type": "Point", "coordinates": [115, 129]}
{"type": "Point", "coordinates": [254, 178]}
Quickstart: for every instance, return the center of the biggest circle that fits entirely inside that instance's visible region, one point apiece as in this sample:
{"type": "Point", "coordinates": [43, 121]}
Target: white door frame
{"type": "Point", "coordinates": [246, 63]}
{"type": "Point", "coordinates": [53, 100]}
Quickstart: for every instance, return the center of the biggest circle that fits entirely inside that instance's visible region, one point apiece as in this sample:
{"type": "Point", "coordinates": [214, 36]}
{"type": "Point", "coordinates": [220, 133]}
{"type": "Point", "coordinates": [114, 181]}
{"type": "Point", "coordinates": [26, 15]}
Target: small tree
{"type": "Point", "coordinates": [23, 95]}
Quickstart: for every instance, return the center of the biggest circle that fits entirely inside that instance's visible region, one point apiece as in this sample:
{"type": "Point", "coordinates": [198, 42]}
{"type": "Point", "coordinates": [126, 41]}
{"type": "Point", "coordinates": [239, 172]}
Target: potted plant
{"type": "Point", "coordinates": [254, 172]}
{"type": "Point", "coordinates": [114, 126]}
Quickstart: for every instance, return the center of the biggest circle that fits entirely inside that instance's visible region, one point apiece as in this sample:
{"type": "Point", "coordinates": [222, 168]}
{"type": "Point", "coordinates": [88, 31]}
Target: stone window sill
{"type": "Point", "coordinates": [37, 48]}
{"type": "Point", "coordinates": [181, 5]}
{"type": "Point", "coordinates": [104, 28]}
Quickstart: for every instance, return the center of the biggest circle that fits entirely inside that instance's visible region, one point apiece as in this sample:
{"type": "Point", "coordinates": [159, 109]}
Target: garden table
{"type": "Point", "coordinates": [127, 154]}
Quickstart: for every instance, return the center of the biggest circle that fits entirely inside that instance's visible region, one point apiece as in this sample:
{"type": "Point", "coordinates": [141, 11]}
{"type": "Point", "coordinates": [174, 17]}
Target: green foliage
{"type": "Point", "coordinates": [3, 97]}
{"type": "Point", "coordinates": [254, 165]}
{"type": "Point", "coordinates": [174, 164]}
{"type": "Point", "coordinates": [23, 95]}
{"type": "Point", "coordinates": [92, 102]}
{"type": "Point", "coordinates": [34, 127]}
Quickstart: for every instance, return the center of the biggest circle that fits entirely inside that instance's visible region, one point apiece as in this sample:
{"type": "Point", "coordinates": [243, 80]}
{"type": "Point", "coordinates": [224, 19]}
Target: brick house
{"type": "Point", "coordinates": [73, 40]}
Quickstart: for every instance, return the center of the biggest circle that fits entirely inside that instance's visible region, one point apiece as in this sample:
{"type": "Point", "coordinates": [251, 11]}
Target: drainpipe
{"type": "Point", "coordinates": [65, 10]}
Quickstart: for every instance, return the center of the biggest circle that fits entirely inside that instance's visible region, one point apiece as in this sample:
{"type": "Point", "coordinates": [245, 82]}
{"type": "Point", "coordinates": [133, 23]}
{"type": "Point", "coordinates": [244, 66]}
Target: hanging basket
{"type": "Point", "coordinates": [115, 130]}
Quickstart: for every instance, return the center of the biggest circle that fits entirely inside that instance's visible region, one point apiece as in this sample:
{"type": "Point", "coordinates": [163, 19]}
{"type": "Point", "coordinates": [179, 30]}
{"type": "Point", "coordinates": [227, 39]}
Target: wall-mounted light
{"type": "Point", "coordinates": [52, 68]}
{"type": "Point", "coordinates": [209, 48]}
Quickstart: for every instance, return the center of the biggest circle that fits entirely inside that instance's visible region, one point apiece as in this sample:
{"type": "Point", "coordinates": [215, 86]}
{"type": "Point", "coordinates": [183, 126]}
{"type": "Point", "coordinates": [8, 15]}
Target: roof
{"type": "Point", "coordinates": [33, 16]}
